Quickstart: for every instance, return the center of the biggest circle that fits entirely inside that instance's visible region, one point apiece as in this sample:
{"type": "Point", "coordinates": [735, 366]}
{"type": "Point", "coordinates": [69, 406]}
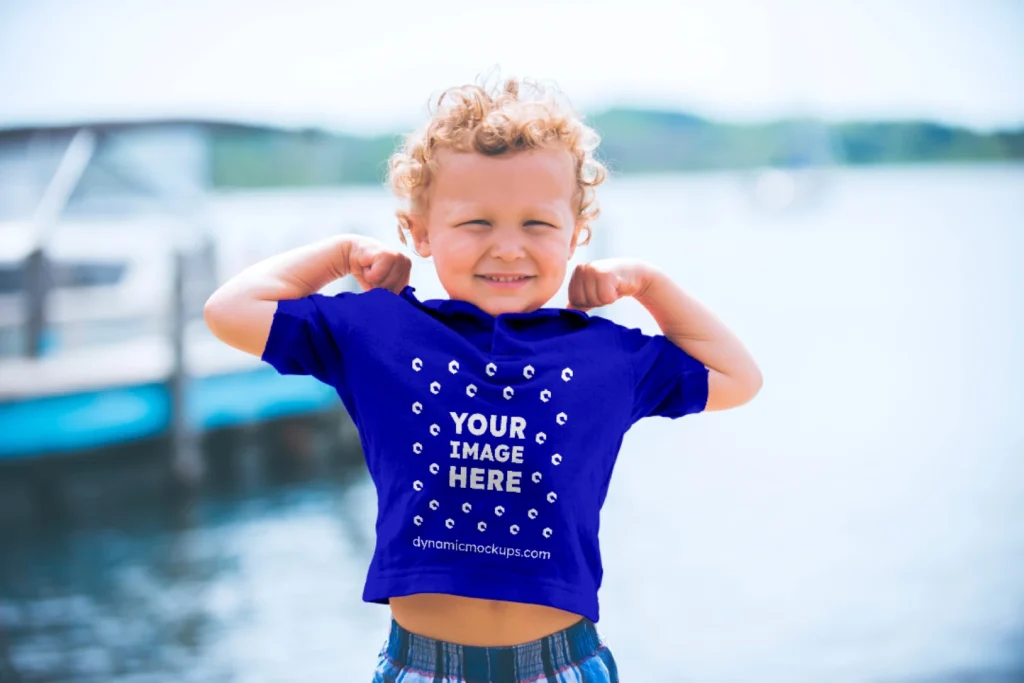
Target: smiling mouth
{"type": "Point", "coordinates": [505, 278]}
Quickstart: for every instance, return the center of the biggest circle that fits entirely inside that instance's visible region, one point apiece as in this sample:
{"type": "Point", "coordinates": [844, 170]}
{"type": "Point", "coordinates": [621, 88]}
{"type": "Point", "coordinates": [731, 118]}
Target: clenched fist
{"type": "Point", "coordinates": [604, 282]}
{"type": "Point", "coordinates": [374, 264]}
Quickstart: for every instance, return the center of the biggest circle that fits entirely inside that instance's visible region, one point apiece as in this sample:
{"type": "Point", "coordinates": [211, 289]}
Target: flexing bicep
{"type": "Point", "coordinates": [240, 322]}
{"type": "Point", "coordinates": [667, 381]}
{"type": "Point", "coordinates": [241, 312]}
{"type": "Point", "coordinates": [726, 392]}
{"type": "Point", "coordinates": [301, 336]}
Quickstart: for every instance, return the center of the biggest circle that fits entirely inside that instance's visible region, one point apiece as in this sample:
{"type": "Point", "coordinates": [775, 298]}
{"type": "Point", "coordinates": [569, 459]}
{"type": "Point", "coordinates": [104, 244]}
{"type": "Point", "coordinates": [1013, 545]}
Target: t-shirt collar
{"type": "Point", "coordinates": [457, 307]}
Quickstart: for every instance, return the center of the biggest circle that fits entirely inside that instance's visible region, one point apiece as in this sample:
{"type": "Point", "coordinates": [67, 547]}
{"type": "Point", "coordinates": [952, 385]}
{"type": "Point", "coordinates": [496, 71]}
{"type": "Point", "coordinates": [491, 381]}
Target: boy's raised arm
{"type": "Point", "coordinates": [733, 376]}
{"type": "Point", "coordinates": [241, 311]}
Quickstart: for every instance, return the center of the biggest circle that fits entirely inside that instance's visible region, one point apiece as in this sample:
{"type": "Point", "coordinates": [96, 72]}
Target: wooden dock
{"type": "Point", "coordinates": [176, 383]}
{"type": "Point", "coordinates": [95, 397]}
{"type": "Point", "coordinates": [102, 341]}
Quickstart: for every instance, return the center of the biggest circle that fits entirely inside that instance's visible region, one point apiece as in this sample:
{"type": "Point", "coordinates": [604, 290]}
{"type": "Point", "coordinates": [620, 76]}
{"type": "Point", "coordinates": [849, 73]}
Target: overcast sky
{"type": "Point", "coordinates": [371, 66]}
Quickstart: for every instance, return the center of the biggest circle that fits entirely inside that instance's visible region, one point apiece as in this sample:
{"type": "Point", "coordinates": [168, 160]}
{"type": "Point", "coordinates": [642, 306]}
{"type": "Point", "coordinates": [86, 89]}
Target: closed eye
{"type": "Point", "coordinates": [481, 221]}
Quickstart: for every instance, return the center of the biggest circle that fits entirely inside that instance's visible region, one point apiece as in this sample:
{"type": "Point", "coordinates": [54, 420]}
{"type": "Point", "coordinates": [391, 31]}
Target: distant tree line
{"type": "Point", "coordinates": [633, 141]}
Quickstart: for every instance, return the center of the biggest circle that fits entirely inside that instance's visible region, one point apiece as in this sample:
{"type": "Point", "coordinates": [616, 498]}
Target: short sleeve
{"type": "Point", "coordinates": [307, 336]}
{"type": "Point", "coordinates": [667, 381]}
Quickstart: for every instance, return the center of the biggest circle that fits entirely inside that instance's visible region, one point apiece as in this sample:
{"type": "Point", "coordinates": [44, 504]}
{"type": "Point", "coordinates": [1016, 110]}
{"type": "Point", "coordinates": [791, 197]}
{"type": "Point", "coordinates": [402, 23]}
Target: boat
{"type": "Point", "coordinates": [110, 244]}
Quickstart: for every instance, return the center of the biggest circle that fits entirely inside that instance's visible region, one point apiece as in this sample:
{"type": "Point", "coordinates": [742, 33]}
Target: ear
{"type": "Point", "coordinates": [580, 225]}
{"type": "Point", "coordinates": [418, 233]}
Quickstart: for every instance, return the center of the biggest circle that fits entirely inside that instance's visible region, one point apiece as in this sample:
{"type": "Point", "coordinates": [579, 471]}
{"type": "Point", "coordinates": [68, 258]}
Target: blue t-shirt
{"type": "Point", "coordinates": [490, 440]}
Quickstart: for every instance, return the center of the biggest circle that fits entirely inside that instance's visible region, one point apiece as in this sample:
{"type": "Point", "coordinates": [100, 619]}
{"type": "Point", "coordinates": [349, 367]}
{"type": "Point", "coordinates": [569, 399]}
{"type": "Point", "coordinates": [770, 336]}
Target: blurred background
{"type": "Point", "coordinates": [841, 182]}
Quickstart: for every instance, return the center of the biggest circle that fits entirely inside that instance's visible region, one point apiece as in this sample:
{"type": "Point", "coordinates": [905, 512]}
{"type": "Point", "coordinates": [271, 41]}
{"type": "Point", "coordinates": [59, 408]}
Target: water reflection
{"type": "Point", "coordinates": [198, 588]}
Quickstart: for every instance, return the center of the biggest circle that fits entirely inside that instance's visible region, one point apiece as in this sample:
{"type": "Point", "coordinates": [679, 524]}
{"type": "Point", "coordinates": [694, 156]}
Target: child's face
{"type": "Point", "coordinates": [501, 230]}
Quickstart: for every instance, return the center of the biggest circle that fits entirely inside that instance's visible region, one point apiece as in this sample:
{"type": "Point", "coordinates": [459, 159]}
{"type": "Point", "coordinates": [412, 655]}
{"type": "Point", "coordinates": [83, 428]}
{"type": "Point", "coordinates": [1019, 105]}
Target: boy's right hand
{"type": "Point", "coordinates": [374, 264]}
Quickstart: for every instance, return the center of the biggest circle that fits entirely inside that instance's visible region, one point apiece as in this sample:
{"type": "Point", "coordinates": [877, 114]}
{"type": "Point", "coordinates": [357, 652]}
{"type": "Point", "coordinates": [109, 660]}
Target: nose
{"type": "Point", "coordinates": [507, 244]}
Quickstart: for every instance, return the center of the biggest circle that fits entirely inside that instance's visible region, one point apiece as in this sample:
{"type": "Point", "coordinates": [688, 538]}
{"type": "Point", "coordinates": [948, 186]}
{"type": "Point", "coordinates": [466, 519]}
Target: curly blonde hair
{"type": "Point", "coordinates": [472, 118]}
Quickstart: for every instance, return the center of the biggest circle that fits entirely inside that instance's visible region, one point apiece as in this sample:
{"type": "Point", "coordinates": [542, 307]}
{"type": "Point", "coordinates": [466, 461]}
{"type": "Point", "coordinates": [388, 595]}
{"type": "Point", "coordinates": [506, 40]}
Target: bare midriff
{"type": "Point", "coordinates": [471, 621]}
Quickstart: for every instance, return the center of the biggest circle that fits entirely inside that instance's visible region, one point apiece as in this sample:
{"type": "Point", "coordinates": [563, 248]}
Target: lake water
{"type": "Point", "coordinates": [862, 520]}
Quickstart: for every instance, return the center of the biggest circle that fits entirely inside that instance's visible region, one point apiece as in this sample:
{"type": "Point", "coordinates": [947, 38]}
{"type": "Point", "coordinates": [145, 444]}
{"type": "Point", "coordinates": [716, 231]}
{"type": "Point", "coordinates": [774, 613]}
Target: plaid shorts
{"type": "Point", "coordinates": [576, 654]}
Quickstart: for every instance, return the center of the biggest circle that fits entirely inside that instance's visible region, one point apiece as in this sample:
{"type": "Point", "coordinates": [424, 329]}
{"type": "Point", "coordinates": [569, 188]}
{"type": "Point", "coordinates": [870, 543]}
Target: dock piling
{"type": "Point", "coordinates": [187, 465]}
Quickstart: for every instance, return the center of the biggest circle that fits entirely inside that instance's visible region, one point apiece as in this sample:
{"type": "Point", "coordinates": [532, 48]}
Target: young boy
{"type": "Point", "coordinates": [490, 423]}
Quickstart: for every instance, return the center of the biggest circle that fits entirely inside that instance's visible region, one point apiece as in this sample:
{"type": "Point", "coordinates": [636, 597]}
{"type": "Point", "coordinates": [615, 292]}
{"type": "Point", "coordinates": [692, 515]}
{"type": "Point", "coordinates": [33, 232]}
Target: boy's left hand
{"type": "Point", "coordinates": [604, 282]}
